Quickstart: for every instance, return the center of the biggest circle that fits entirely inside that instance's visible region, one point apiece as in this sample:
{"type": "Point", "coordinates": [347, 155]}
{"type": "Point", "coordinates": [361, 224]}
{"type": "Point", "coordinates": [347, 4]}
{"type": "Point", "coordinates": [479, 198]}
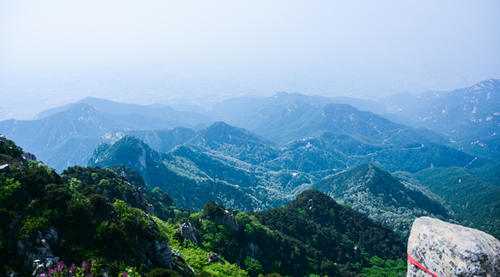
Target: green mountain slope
{"type": "Point", "coordinates": [190, 171]}
{"type": "Point", "coordinates": [320, 155]}
{"type": "Point", "coordinates": [250, 112]}
{"type": "Point", "coordinates": [106, 216]}
{"type": "Point", "coordinates": [376, 193]}
{"type": "Point", "coordinates": [205, 168]}
{"type": "Point", "coordinates": [44, 216]}
{"type": "Point", "coordinates": [207, 175]}
{"type": "Point", "coordinates": [474, 201]}
{"type": "Point", "coordinates": [299, 121]}
{"type": "Point", "coordinates": [236, 142]}
{"type": "Point", "coordinates": [164, 140]}
{"type": "Point", "coordinates": [219, 136]}
{"type": "Point", "coordinates": [335, 151]}
{"type": "Point", "coordinates": [310, 235]}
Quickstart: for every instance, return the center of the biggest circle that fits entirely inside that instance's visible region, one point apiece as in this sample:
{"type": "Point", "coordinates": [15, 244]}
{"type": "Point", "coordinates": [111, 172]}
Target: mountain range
{"type": "Point", "coordinates": [289, 184]}
{"type": "Point", "coordinates": [68, 134]}
{"type": "Point", "coordinates": [243, 183]}
{"type": "Point", "coordinates": [469, 117]}
{"type": "Point", "coordinates": [291, 142]}
{"type": "Point", "coordinates": [114, 223]}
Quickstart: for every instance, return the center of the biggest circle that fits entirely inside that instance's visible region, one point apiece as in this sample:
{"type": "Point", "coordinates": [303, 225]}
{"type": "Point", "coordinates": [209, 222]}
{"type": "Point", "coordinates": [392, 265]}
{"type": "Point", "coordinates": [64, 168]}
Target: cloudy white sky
{"type": "Point", "coordinates": [57, 51]}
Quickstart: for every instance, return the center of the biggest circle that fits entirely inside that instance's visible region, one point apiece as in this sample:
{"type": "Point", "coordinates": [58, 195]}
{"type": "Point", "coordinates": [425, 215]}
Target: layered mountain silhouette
{"type": "Point", "coordinates": [289, 184]}
{"type": "Point", "coordinates": [118, 222]}
{"type": "Point", "coordinates": [187, 170]}
{"type": "Point", "coordinates": [375, 192]}
{"type": "Point", "coordinates": [313, 154]}
{"type": "Point", "coordinates": [208, 174]}
{"type": "Point", "coordinates": [273, 148]}
{"type": "Point", "coordinates": [470, 116]}
{"type": "Point", "coordinates": [67, 135]}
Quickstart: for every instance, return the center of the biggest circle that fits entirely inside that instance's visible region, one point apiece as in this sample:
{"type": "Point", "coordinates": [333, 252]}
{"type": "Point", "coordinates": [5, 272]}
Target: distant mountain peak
{"type": "Point", "coordinates": [222, 132]}
{"type": "Point", "coordinates": [492, 81]}
{"type": "Point", "coordinates": [372, 190]}
{"type": "Point", "coordinates": [221, 125]}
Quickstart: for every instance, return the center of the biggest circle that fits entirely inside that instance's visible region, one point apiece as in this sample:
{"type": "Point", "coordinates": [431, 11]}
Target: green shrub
{"type": "Point", "coordinates": [212, 210]}
{"type": "Point", "coordinates": [33, 224]}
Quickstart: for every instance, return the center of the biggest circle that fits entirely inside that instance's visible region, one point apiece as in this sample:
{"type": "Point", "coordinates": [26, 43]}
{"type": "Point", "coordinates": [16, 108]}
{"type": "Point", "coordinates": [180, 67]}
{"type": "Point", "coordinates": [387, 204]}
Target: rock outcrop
{"type": "Point", "coordinates": [252, 250]}
{"type": "Point", "coordinates": [36, 253]}
{"type": "Point", "coordinates": [28, 156]}
{"type": "Point", "coordinates": [188, 232]}
{"type": "Point", "coordinates": [214, 258]}
{"type": "Point", "coordinates": [452, 250]}
{"type": "Point", "coordinates": [227, 219]}
{"type": "Point", "coordinates": [162, 254]}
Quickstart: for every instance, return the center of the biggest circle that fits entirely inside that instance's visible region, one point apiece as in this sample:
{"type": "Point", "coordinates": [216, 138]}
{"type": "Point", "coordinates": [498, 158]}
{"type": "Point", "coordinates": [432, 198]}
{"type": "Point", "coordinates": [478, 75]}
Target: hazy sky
{"type": "Point", "coordinates": [57, 51]}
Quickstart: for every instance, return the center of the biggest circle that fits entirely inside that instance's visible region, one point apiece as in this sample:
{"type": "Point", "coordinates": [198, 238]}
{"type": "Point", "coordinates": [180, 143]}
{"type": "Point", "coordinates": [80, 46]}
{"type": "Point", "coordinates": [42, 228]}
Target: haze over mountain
{"type": "Point", "coordinates": [222, 49]}
{"type": "Point", "coordinates": [469, 117]}
{"type": "Point", "coordinates": [239, 170]}
{"type": "Point", "coordinates": [293, 142]}
{"type": "Point", "coordinates": [67, 135]}
{"type": "Point", "coordinates": [249, 138]}
{"type": "Point", "coordinates": [291, 116]}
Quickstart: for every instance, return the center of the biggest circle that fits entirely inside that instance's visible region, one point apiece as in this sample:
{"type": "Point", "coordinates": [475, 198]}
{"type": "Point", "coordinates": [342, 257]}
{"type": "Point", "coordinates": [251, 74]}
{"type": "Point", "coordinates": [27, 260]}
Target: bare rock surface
{"type": "Point", "coordinates": [214, 258]}
{"type": "Point", "coordinates": [162, 254]}
{"type": "Point", "coordinates": [188, 231]}
{"type": "Point", "coordinates": [227, 219]}
{"type": "Point", "coordinates": [452, 250]}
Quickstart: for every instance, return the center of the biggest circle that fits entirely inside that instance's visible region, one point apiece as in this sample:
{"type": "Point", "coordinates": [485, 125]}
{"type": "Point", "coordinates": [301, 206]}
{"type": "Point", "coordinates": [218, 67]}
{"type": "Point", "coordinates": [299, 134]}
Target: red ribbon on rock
{"type": "Point", "coordinates": [417, 264]}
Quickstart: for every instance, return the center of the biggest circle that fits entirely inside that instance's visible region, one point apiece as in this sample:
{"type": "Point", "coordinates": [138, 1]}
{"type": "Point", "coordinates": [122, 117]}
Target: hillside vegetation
{"type": "Point", "coordinates": [121, 225]}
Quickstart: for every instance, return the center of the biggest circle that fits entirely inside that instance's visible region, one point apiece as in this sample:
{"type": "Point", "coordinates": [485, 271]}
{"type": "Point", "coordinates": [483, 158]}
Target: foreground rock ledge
{"type": "Point", "coordinates": [452, 250]}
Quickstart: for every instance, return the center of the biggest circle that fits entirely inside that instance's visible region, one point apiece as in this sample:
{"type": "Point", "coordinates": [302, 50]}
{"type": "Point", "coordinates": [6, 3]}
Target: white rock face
{"type": "Point", "coordinates": [452, 250]}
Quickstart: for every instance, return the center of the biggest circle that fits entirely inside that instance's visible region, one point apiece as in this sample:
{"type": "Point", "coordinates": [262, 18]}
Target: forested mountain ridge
{"type": "Point", "coordinates": [206, 176]}
{"type": "Point", "coordinates": [339, 151]}
{"type": "Point", "coordinates": [186, 171]}
{"type": "Point", "coordinates": [474, 200]}
{"type": "Point", "coordinates": [283, 122]}
{"type": "Point", "coordinates": [376, 193]}
{"type": "Point", "coordinates": [313, 154]}
{"type": "Point", "coordinates": [48, 218]}
{"type": "Point", "coordinates": [67, 135]}
{"type": "Point", "coordinates": [51, 221]}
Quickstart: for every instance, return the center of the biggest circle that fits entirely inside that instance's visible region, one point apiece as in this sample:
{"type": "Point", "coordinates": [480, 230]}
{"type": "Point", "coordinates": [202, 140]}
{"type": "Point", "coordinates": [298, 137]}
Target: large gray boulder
{"type": "Point", "coordinates": [448, 249]}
